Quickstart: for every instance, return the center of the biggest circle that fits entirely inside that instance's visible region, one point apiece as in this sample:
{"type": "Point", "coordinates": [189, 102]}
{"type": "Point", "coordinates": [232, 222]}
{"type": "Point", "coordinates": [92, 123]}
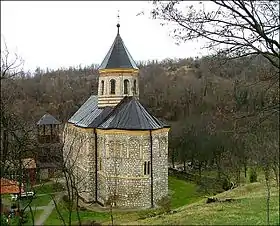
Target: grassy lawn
{"type": "Point", "coordinates": [249, 208]}
{"type": "Point", "coordinates": [36, 213]}
{"type": "Point", "coordinates": [37, 201]}
{"type": "Point", "coordinates": [54, 218]}
{"type": "Point", "coordinates": [182, 192]}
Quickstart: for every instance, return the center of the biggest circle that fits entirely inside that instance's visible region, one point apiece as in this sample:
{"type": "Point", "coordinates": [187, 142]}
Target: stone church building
{"type": "Point", "coordinates": [117, 150]}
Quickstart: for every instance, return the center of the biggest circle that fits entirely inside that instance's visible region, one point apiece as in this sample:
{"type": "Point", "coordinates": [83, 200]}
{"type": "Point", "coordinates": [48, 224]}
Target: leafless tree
{"type": "Point", "coordinates": [17, 140]}
{"type": "Point", "coordinates": [235, 28]}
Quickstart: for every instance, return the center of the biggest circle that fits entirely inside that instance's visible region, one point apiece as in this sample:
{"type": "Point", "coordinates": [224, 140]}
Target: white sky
{"type": "Point", "coordinates": [61, 34]}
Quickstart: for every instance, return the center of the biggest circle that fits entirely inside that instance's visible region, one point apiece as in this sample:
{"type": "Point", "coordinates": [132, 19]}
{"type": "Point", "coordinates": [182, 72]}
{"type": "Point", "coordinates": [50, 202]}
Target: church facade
{"type": "Point", "coordinates": [117, 150]}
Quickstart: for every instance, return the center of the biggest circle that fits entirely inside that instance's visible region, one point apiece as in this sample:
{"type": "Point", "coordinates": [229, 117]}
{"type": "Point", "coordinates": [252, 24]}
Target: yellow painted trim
{"type": "Point", "coordinates": [118, 70]}
{"type": "Point", "coordinates": [118, 131]}
{"type": "Point", "coordinates": [131, 132]}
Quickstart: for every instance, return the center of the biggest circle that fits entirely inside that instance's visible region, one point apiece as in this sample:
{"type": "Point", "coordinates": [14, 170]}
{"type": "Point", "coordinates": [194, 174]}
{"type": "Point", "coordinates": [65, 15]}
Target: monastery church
{"type": "Point", "coordinates": [117, 150]}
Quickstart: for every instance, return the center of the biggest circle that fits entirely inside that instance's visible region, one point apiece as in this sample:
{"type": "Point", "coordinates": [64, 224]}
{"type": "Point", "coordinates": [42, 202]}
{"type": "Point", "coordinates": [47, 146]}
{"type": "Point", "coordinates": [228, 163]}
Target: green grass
{"type": "Point", "coordinates": [37, 201]}
{"type": "Point", "coordinates": [182, 192]}
{"type": "Point", "coordinates": [87, 215]}
{"type": "Point", "coordinates": [36, 214]}
{"type": "Point", "coordinates": [249, 208]}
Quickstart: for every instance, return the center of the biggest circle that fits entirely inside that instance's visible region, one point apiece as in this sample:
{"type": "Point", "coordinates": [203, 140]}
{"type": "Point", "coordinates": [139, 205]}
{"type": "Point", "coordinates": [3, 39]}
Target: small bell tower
{"type": "Point", "coordinates": [118, 74]}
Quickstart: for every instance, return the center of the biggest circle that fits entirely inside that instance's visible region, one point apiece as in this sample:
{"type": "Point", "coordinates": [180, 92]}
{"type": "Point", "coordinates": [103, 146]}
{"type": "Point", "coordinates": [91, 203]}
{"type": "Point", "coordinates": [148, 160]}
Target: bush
{"type": "Point", "coordinates": [253, 176]}
{"type": "Point", "coordinates": [57, 187]}
{"type": "Point", "coordinates": [226, 184]}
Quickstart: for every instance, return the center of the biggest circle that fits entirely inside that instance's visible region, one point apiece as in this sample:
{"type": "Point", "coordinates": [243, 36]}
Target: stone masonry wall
{"type": "Point", "coordinates": [112, 99]}
{"type": "Point", "coordinates": [78, 153]}
{"type": "Point", "coordinates": [121, 168]}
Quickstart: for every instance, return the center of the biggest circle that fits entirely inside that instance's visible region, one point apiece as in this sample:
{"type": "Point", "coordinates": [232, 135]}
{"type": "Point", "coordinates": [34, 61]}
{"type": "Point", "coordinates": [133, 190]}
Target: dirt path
{"type": "Point", "coordinates": [48, 210]}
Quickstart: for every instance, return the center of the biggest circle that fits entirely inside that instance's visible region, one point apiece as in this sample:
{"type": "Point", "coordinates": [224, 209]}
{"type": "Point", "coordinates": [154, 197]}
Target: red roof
{"type": "Point", "coordinates": [9, 186]}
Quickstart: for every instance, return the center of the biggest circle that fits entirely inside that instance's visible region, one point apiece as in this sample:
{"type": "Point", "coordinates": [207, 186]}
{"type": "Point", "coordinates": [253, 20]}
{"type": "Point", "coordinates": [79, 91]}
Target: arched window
{"type": "Point", "coordinates": [113, 86]}
{"type": "Point", "coordinates": [102, 87]}
{"type": "Point", "coordinates": [134, 87]}
{"type": "Point", "coordinates": [125, 86]}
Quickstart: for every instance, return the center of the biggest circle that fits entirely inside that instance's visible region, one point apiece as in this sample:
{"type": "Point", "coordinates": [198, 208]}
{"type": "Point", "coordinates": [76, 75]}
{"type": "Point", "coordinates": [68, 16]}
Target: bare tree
{"type": "Point", "coordinates": [17, 140]}
{"type": "Point", "coordinates": [235, 28]}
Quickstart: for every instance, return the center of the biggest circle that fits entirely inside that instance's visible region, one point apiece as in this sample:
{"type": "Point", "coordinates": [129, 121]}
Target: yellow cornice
{"type": "Point", "coordinates": [118, 70]}
{"type": "Point", "coordinates": [131, 132]}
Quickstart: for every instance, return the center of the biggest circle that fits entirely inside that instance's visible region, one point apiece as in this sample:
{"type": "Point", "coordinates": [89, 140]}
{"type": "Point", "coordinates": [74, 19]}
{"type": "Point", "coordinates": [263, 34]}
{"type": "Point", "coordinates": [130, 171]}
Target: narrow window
{"type": "Point", "coordinates": [113, 86]}
{"type": "Point", "coordinates": [126, 86]}
{"type": "Point", "coordinates": [134, 87]}
{"type": "Point", "coordinates": [146, 168]}
{"type": "Point", "coordinates": [102, 87]}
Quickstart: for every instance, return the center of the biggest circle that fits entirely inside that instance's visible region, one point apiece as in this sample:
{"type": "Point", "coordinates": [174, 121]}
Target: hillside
{"type": "Point", "coordinates": [248, 208]}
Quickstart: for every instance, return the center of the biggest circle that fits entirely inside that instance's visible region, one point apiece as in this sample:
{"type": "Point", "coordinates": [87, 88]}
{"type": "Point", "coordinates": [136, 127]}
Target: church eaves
{"type": "Point", "coordinates": [118, 56]}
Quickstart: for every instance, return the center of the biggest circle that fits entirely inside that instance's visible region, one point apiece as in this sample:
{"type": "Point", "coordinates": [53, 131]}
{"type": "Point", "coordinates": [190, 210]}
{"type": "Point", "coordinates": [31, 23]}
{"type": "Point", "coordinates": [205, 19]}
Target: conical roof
{"type": "Point", "coordinates": [118, 56]}
{"type": "Point", "coordinates": [48, 119]}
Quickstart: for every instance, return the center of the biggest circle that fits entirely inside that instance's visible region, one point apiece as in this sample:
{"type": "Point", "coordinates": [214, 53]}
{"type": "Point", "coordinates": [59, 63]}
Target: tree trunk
{"type": "Point", "coordinates": [200, 169]}
{"type": "Point", "coordinates": [172, 159]}
{"type": "Point", "coordinates": [276, 172]}
{"type": "Point", "coordinates": [245, 169]}
{"type": "Point", "coordinates": [268, 194]}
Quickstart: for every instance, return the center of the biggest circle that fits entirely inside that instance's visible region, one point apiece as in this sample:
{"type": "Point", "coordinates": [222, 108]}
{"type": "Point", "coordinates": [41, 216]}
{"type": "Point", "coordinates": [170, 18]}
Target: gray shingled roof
{"type": "Point", "coordinates": [129, 114]}
{"type": "Point", "coordinates": [48, 119]}
{"type": "Point", "coordinates": [118, 56]}
{"type": "Point", "coordinates": [89, 106]}
{"type": "Point", "coordinates": [89, 115]}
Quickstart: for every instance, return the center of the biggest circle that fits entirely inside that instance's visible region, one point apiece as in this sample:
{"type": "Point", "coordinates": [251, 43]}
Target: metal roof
{"type": "Point", "coordinates": [48, 119]}
{"type": "Point", "coordinates": [129, 114]}
{"type": "Point", "coordinates": [89, 115]}
{"type": "Point", "coordinates": [118, 56]}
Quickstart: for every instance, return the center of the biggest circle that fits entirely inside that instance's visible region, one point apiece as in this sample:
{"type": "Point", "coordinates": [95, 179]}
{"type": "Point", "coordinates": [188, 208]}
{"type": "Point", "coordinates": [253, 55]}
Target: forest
{"type": "Point", "coordinates": [223, 113]}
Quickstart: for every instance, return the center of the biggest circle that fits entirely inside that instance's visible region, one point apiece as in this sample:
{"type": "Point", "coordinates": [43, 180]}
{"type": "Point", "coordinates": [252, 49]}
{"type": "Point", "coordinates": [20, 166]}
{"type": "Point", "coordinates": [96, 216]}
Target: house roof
{"type": "Point", "coordinates": [129, 114]}
{"type": "Point", "coordinates": [48, 119]}
{"type": "Point", "coordinates": [9, 186]}
{"type": "Point", "coordinates": [118, 56]}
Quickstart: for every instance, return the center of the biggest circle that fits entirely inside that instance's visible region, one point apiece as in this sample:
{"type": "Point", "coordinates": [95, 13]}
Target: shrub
{"type": "Point", "coordinates": [226, 184]}
{"type": "Point", "coordinates": [253, 176]}
{"type": "Point", "coordinates": [57, 187]}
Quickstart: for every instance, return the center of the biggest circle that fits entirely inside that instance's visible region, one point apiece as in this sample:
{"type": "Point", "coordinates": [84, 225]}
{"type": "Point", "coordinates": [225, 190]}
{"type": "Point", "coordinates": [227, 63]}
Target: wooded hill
{"type": "Point", "coordinates": [223, 113]}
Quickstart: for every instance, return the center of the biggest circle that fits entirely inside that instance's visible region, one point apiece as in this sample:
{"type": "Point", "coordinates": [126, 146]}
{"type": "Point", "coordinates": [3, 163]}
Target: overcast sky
{"type": "Point", "coordinates": [61, 34]}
